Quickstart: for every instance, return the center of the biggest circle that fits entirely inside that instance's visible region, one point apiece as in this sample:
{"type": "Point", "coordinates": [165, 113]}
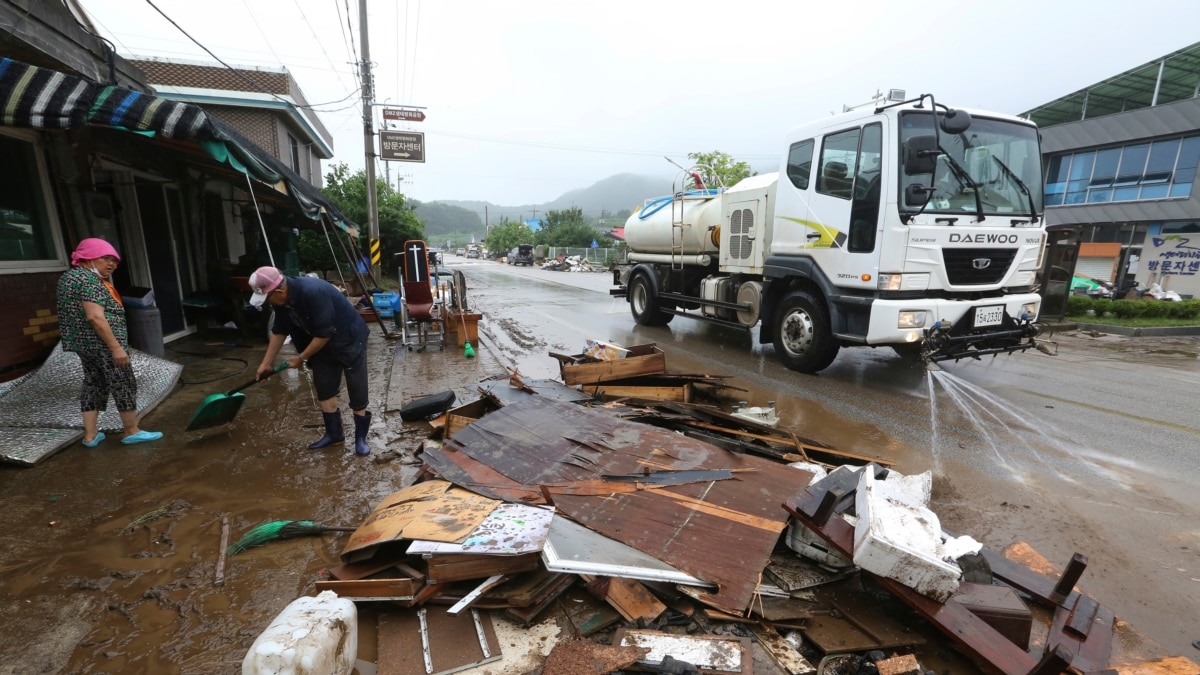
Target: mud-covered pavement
{"type": "Point", "coordinates": [86, 593]}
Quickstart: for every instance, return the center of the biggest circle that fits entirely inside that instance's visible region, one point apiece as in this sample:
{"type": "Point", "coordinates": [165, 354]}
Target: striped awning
{"type": "Point", "coordinates": [41, 98]}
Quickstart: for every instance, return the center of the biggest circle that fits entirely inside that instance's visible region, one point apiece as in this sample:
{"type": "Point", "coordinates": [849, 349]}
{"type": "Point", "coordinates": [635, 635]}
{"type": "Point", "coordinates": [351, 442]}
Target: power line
{"type": "Point", "coordinates": [328, 60]}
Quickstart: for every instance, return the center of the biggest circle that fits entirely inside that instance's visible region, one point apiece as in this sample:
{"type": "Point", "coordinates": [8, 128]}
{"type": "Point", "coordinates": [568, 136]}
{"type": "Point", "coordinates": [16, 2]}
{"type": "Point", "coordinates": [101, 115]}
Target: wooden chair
{"type": "Point", "coordinates": [421, 305]}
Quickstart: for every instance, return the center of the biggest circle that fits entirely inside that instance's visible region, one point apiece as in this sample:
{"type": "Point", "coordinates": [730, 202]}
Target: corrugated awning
{"type": "Point", "coordinates": [41, 98]}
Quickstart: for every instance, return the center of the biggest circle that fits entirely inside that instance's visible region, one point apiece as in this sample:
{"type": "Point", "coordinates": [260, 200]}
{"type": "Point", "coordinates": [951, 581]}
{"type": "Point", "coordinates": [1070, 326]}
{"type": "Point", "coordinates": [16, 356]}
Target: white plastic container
{"type": "Point", "coordinates": [898, 537]}
{"type": "Point", "coordinates": [311, 636]}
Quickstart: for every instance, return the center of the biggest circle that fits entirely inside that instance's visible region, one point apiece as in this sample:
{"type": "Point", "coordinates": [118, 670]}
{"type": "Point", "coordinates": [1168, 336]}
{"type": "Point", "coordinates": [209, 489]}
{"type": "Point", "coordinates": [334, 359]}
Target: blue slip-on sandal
{"type": "Point", "coordinates": [95, 441]}
{"type": "Point", "coordinates": [142, 436]}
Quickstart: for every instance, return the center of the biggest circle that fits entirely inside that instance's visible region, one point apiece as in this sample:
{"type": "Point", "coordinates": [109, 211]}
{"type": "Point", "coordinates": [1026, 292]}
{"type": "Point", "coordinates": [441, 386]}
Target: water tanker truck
{"type": "Point", "coordinates": [908, 224]}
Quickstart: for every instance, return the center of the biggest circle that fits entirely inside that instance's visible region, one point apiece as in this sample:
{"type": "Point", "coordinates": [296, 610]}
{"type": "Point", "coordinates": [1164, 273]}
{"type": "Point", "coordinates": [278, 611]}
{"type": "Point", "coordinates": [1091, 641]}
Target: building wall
{"type": "Point", "coordinates": [259, 126]}
{"type": "Point", "coordinates": [30, 327]}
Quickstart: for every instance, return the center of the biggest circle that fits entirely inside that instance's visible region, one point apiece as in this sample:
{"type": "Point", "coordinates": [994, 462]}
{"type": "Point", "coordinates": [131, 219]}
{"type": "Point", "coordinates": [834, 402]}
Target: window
{"type": "Point", "coordinates": [864, 213]}
{"type": "Point", "coordinates": [799, 164]}
{"type": "Point", "coordinates": [295, 154]}
{"type": "Point", "coordinates": [28, 235]}
{"type": "Point", "coordinates": [838, 157]}
{"type": "Point", "coordinates": [1157, 170]}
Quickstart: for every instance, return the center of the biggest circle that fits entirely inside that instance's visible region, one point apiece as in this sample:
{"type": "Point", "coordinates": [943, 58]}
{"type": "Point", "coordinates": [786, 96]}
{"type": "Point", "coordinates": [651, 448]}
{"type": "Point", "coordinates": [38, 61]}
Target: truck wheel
{"type": "Point", "coordinates": [802, 337]}
{"type": "Point", "coordinates": [644, 305]}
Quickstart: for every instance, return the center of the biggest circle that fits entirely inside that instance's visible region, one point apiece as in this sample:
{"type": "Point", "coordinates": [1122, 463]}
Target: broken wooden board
{"type": "Point", "coordinates": [391, 590]}
{"type": "Point", "coordinates": [628, 597]}
{"type": "Point", "coordinates": [585, 613]}
{"type": "Point", "coordinates": [526, 614]}
{"type": "Point", "coordinates": [575, 658]}
{"type": "Point", "coordinates": [538, 441]}
{"type": "Point", "coordinates": [639, 360]}
{"type": "Point", "coordinates": [443, 568]}
{"type": "Point", "coordinates": [709, 653]}
{"type": "Point", "coordinates": [861, 629]}
{"type": "Point", "coordinates": [662, 391]}
{"type": "Point", "coordinates": [820, 508]}
{"type": "Point", "coordinates": [788, 658]}
{"type": "Point", "coordinates": [434, 642]}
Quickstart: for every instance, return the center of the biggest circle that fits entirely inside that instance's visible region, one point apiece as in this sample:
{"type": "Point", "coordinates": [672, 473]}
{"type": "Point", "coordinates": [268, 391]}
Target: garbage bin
{"type": "Point", "coordinates": [145, 330]}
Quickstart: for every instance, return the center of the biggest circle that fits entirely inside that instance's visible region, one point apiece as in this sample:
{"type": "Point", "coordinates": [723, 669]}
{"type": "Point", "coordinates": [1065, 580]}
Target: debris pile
{"type": "Point", "coordinates": [573, 263]}
{"type": "Point", "coordinates": [672, 536]}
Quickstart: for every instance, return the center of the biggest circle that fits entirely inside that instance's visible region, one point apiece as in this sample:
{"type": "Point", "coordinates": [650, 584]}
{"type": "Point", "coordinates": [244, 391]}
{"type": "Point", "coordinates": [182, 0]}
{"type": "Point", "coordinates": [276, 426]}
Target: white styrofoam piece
{"type": "Point", "coordinates": [899, 538]}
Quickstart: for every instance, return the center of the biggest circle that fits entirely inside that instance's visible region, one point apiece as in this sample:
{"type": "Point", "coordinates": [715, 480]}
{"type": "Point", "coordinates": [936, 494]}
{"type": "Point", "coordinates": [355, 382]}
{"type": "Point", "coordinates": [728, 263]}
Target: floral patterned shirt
{"type": "Point", "coordinates": [76, 286]}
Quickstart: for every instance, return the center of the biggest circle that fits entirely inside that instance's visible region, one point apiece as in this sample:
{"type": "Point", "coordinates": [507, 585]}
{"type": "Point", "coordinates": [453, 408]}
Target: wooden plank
{"type": "Point", "coordinates": [371, 589]}
{"type": "Point", "coordinates": [709, 653]}
{"type": "Point", "coordinates": [678, 393]}
{"type": "Point", "coordinates": [628, 597]}
{"type": "Point", "coordinates": [454, 642]}
{"type": "Point", "coordinates": [526, 614]}
{"type": "Point", "coordinates": [443, 568]}
{"type": "Point", "coordinates": [641, 360]}
{"type": "Point", "coordinates": [787, 657]}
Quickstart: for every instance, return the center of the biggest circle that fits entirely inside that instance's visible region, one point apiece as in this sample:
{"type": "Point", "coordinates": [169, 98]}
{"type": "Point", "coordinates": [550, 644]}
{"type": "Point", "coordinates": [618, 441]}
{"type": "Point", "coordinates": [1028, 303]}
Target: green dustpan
{"type": "Point", "coordinates": [218, 409]}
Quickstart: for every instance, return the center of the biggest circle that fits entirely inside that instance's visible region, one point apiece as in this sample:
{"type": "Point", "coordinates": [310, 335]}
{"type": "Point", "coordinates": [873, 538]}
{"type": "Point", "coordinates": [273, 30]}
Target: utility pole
{"type": "Point", "coordinates": [368, 135]}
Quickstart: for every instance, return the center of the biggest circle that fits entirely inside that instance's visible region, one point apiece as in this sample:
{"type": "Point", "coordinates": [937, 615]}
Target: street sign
{"type": "Point", "coordinates": [402, 146]}
{"type": "Point", "coordinates": [405, 114]}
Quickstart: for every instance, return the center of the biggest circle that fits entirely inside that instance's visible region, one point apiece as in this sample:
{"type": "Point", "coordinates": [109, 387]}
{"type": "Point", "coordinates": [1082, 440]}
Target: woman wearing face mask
{"type": "Point", "coordinates": [91, 318]}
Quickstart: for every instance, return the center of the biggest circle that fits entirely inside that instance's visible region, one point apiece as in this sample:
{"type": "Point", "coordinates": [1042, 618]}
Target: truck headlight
{"type": "Point", "coordinates": [890, 282]}
{"type": "Point", "coordinates": [913, 281]}
{"type": "Point", "coordinates": [1029, 311]}
{"type": "Point", "coordinates": [911, 319]}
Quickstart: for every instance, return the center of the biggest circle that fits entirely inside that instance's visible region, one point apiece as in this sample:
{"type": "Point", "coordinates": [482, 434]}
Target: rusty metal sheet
{"type": "Point", "coordinates": [720, 531]}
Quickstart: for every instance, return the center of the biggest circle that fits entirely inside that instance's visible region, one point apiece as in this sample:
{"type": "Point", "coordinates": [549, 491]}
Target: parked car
{"type": "Point", "coordinates": [460, 252]}
{"type": "Point", "coordinates": [522, 255]}
{"type": "Point", "coordinates": [473, 253]}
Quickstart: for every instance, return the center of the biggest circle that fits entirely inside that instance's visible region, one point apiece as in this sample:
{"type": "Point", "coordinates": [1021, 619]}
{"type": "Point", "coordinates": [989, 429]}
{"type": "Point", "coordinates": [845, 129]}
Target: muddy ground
{"type": "Point", "coordinates": [88, 590]}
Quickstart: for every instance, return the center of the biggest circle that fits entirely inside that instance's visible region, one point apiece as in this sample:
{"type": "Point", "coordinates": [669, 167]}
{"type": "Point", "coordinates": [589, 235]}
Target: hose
{"type": "Point", "coordinates": [659, 203]}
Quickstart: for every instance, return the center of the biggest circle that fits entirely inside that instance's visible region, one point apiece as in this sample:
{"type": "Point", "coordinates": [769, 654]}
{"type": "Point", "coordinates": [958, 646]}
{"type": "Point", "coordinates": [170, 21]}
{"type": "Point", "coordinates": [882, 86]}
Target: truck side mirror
{"type": "Point", "coordinates": [955, 121]}
{"type": "Point", "coordinates": [916, 194]}
{"type": "Point", "coordinates": [920, 155]}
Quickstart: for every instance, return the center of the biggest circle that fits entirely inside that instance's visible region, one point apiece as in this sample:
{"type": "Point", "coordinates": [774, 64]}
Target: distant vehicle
{"type": "Point", "coordinates": [461, 251]}
{"type": "Point", "coordinates": [473, 253]}
{"type": "Point", "coordinates": [522, 255]}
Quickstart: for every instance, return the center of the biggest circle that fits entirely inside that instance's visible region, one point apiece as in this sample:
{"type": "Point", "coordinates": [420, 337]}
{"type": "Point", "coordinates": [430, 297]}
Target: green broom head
{"type": "Point", "coordinates": [469, 351]}
{"type": "Point", "coordinates": [281, 529]}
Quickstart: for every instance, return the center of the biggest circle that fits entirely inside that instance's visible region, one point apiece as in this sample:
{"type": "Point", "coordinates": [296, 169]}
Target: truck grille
{"type": "Point", "coordinates": [977, 266]}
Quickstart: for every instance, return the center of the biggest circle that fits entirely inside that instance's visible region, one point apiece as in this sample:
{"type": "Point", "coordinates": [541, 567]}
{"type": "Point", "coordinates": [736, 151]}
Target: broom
{"type": "Point", "coordinates": [281, 529]}
{"type": "Point", "coordinates": [468, 351]}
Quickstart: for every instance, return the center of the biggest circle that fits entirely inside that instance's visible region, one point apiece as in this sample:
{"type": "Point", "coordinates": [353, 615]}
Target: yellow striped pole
{"type": "Point", "coordinates": [375, 253]}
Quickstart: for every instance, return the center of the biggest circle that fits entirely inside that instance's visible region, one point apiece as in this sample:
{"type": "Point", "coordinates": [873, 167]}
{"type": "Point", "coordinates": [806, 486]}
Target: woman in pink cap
{"type": "Point", "coordinates": [91, 318]}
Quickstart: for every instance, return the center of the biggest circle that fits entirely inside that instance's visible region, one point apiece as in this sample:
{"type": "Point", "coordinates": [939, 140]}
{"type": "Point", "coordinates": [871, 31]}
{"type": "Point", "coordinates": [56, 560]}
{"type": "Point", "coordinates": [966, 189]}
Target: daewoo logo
{"type": "Point", "coordinates": [981, 238]}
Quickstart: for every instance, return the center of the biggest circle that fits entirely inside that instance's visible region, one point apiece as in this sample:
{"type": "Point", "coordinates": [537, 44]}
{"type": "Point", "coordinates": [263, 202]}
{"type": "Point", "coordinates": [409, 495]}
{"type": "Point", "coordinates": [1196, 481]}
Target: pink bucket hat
{"type": "Point", "coordinates": [263, 281]}
{"type": "Point", "coordinates": [91, 249]}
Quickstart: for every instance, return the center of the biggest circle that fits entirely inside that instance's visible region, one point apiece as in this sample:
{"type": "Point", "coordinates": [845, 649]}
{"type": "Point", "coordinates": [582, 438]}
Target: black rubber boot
{"type": "Point", "coordinates": [362, 424]}
{"type": "Point", "coordinates": [333, 431]}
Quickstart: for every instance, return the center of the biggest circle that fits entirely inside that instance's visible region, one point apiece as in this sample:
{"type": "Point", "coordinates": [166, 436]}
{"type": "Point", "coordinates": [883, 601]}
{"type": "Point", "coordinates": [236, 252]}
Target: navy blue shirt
{"type": "Point", "coordinates": [316, 309]}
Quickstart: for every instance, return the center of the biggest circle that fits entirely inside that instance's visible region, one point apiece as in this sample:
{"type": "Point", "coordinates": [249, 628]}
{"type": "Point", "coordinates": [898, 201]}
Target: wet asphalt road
{"type": "Point", "coordinates": [1090, 451]}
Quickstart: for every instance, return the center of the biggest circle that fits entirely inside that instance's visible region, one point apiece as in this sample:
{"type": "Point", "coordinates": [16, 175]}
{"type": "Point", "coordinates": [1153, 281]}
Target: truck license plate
{"type": "Point", "coordinates": [992, 315]}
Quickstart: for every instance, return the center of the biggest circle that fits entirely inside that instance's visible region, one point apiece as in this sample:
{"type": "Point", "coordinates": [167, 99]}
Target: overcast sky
{"type": "Point", "coordinates": [526, 100]}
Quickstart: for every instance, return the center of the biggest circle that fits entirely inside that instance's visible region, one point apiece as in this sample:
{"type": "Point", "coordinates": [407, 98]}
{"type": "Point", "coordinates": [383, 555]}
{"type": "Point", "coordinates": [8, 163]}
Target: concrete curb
{"type": "Point", "coordinates": [1129, 331]}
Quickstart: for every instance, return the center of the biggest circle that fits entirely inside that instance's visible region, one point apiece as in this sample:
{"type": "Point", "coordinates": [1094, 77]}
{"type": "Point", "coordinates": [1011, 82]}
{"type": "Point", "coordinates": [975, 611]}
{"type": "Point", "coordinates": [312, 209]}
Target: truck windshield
{"type": "Point", "coordinates": [1000, 160]}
